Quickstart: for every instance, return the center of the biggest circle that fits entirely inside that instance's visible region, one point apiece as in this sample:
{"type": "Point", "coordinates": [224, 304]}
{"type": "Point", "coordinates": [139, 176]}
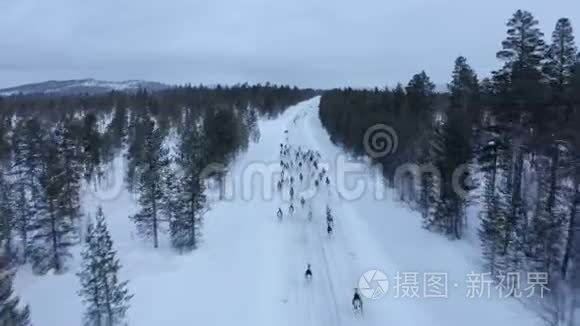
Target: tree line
{"type": "Point", "coordinates": [515, 134]}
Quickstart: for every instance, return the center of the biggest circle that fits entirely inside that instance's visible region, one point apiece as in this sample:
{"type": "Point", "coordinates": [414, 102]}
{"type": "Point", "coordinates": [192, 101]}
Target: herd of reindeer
{"type": "Point", "coordinates": [301, 169]}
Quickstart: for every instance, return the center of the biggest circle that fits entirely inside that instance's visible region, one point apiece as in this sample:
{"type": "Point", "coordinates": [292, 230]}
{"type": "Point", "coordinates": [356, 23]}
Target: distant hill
{"type": "Point", "coordinates": [81, 86]}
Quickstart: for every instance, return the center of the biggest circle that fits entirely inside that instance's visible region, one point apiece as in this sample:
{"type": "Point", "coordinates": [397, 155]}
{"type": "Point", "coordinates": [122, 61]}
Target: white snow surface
{"type": "Point", "coordinates": [249, 269]}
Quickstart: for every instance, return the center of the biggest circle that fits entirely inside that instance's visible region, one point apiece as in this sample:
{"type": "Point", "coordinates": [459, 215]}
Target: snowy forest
{"type": "Point", "coordinates": [510, 141]}
{"type": "Point", "coordinates": [52, 147]}
{"type": "Point", "coordinates": [517, 132]}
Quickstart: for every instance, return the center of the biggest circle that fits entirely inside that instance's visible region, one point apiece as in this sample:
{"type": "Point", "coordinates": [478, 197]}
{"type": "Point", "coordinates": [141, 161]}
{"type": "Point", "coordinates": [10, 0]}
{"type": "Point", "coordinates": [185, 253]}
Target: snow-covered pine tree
{"type": "Point", "coordinates": [6, 203]}
{"type": "Point", "coordinates": [139, 120]}
{"type": "Point", "coordinates": [571, 256]}
{"type": "Point", "coordinates": [464, 86]}
{"type": "Point", "coordinates": [419, 102]}
{"type": "Point", "coordinates": [428, 190]}
{"type": "Point", "coordinates": [22, 219]}
{"type": "Point", "coordinates": [5, 126]}
{"type": "Point", "coordinates": [117, 129]}
{"type": "Point", "coordinates": [7, 218]}
{"type": "Point", "coordinates": [572, 93]}
{"type": "Point", "coordinates": [561, 58]}
{"type": "Point", "coordinates": [225, 135]}
{"type": "Point", "coordinates": [11, 312]}
{"type": "Point", "coordinates": [106, 299]}
{"type": "Point", "coordinates": [92, 146]}
{"type": "Point", "coordinates": [52, 229]}
{"type": "Point", "coordinates": [89, 279]}
{"type": "Point", "coordinates": [523, 51]}
{"type": "Point", "coordinates": [451, 149]}
{"type": "Point", "coordinates": [172, 207]}
{"type": "Point", "coordinates": [188, 201]}
{"type": "Point", "coordinates": [151, 173]}
{"type": "Point", "coordinates": [547, 223]}
{"type": "Point", "coordinates": [251, 117]}
{"type": "Point", "coordinates": [492, 220]}
{"type": "Point", "coordinates": [68, 149]}
{"type": "Point", "coordinates": [27, 143]}
{"type": "Point", "coordinates": [420, 91]}
{"type": "Point", "coordinates": [514, 235]}
{"type": "Point", "coordinates": [447, 149]}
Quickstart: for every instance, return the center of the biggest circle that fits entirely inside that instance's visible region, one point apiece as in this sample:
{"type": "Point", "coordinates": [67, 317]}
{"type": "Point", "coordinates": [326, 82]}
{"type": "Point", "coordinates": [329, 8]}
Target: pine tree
{"type": "Point", "coordinates": [7, 220]}
{"type": "Point", "coordinates": [106, 299]}
{"type": "Point", "coordinates": [429, 180]}
{"type": "Point", "coordinates": [561, 58]}
{"type": "Point", "coordinates": [399, 97]}
{"type": "Point", "coordinates": [68, 150]}
{"type": "Point", "coordinates": [251, 117]}
{"type": "Point", "coordinates": [28, 143]}
{"type": "Point", "coordinates": [92, 146]}
{"type": "Point", "coordinates": [151, 172]}
{"type": "Point", "coordinates": [118, 128]}
{"type": "Point", "coordinates": [570, 265]}
{"type": "Point", "coordinates": [492, 233]}
{"type": "Point", "coordinates": [223, 131]}
{"type": "Point", "coordinates": [523, 52]}
{"type": "Point", "coordinates": [22, 218]}
{"type": "Point", "coordinates": [514, 238]}
{"type": "Point", "coordinates": [451, 149]}
{"type": "Point", "coordinates": [7, 216]}
{"type": "Point", "coordinates": [524, 44]}
{"type": "Point", "coordinates": [547, 224]}
{"type": "Point", "coordinates": [5, 126]}
{"type": "Point", "coordinates": [188, 202]}
{"type": "Point", "coordinates": [418, 116]}
{"type": "Point", "coordinates": [489, 231]}
{"type": "Point", "coordinates": [11, 314]}
{"type": "Point", "coordinates": [52, 228]}
{"type": "Point", "coordinates": [135, 152]}
{"type": "Point", "coordinates": [464, 86]}
{"type": "Point", "coordinates": [180, 229]}
{"type": "Point", "coordinates": [420, 92]}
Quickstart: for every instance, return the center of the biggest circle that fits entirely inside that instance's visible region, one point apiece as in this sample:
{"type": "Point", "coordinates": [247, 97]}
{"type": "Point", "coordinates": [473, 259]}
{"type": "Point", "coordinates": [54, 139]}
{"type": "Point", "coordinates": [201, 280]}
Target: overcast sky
{"type": "Point", "coordinates": [309, 43]}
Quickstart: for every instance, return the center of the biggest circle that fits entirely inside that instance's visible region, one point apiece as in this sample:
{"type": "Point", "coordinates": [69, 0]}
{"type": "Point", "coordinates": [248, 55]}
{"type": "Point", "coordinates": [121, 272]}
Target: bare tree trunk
{"type": "Point", "coordinates": [572, 231]}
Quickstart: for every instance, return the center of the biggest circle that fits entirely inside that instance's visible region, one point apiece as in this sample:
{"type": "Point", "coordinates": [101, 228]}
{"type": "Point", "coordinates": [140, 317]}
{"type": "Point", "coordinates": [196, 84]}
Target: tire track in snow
{"type": "Point", "coordinates": [331, 288]}
{"type": "Point", "coordinates": [323, 245]}
{"type": "Point", "coordinates": [371, 257]}
{"type": "Point", "coordinates": [322, 256]}
{"type": "Point", "coordinates": [341, 245]}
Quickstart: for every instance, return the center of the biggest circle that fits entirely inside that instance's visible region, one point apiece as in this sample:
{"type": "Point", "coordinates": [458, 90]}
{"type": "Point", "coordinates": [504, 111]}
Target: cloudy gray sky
{"type": "Point", "coordinates": [310, 43]}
